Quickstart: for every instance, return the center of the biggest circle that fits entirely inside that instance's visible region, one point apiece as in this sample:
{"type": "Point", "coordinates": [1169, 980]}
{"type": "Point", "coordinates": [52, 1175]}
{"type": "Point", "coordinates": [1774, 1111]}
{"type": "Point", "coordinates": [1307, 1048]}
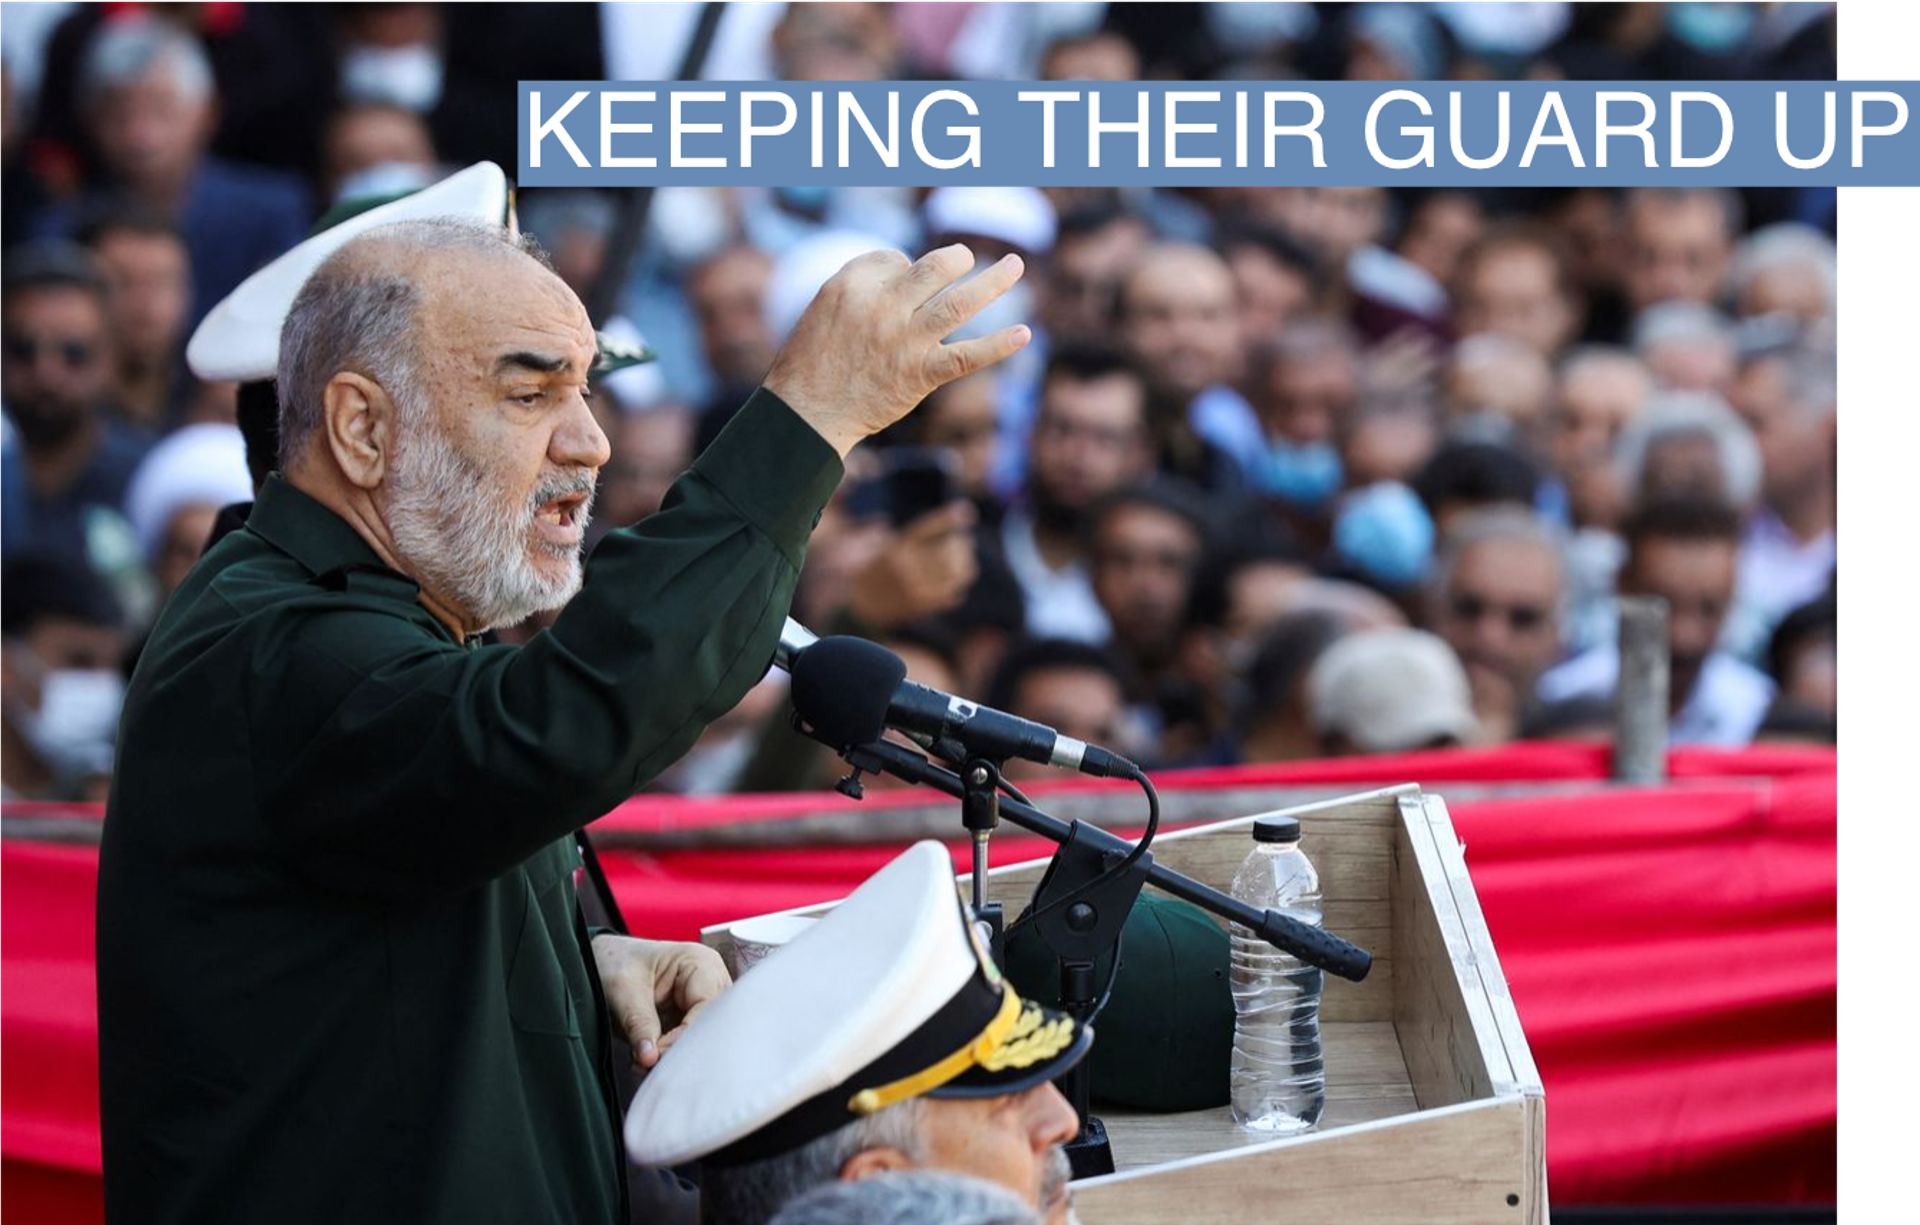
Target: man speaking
{"type": "Point", "coordinates": [342, 974]}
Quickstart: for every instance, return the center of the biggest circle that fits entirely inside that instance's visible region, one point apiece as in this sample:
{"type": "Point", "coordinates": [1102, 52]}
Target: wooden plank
{"type": "Point", "coordinates": [1517, 1076]}
{"type": "Point", "coordinates": [1366, 1080]}
{"type": "Point", "coordinates": [1460, 1165]}
{"type": "Point", "coordinates": [1483, 963]}
{"type": "Point", "coordinates": [1436, 1017]}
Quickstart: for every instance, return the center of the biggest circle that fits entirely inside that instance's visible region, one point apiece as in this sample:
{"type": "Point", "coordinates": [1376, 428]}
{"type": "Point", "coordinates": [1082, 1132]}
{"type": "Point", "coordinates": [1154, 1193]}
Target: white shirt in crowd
{"type": "Point", "coordinates": [1778, 573]}
{"type": "Point", "coordinates": [1725, 709]}
{"type": "Point", "coordinates": [1060, 603]}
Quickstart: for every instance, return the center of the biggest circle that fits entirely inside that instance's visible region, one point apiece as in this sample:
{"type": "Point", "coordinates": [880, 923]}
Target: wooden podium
{"type": "Point", "coordinates": [1434, 1110]}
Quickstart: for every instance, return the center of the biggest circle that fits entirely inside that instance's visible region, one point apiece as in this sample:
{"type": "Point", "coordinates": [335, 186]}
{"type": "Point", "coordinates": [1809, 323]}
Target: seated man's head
{"type": "Point", "coordinates": [1515, 282]}
{"type": "Point", "coordinates": [1598, 390]}
{"type": "Point", "coordinates": [1679, 243]}
{"type": "Point", "coordinates": [1496, 599]}
{"type": "Point", "coordinates": [1075, 688]}
{"type": "Point", "coordinates": [1466, 475]}
{"type": "Point", "coordinates": [1093, 248]}
{"type": "Point", "coordinates": [1690, 444]}
{"type": "Point", "coordinates": [61, 645]}
{"type": "Point", "coordinates": [1306, 382]}
{"type": "Point", "coordinates": [1687, 345]}
{"type": "Point", "coordinates": [1090, 437]}
{"type": "Point", "coordinates": [56, 365]}
{"type": "Point", "coordinates": [146, 94]}
{"type": "Point", "coordinates": [1788, 268]}
{"type": "Point", "coordinates": [1179, 316]}
{"type": "Point", "coordinates": [432, 386]}
{"type": "Point", "coordinates": [144, 257]}
{"type": "Point", "coordinates": [1146, 542]}
{"type": "Point", "coordinates": [1501, 380]}
{"type": "Point", "coordinates": [1684, 549]}
{"type": "Point", "coordinates": [881, 1039]}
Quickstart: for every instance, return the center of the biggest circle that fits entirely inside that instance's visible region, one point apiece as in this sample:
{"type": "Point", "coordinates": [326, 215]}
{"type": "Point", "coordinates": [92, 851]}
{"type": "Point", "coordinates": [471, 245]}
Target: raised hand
{"type": "Point", "coordinates": [871, 345]}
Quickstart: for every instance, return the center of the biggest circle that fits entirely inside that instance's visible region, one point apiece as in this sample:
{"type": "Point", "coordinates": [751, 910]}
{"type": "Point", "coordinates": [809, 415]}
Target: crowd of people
{"type": "Point", "coordinates": [1288, 471]}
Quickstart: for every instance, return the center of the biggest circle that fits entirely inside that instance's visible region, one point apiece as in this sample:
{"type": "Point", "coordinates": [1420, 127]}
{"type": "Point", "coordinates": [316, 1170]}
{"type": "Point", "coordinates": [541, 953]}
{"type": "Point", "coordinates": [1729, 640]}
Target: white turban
{"type": "Point", "coordinates": [202, 465]}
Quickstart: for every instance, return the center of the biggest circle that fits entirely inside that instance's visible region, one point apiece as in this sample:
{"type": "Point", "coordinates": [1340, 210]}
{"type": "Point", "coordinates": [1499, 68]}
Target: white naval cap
{"type": "Point", "coordinates": [889, 996]}
{"type": "Point", "coordinates": [239, 340]}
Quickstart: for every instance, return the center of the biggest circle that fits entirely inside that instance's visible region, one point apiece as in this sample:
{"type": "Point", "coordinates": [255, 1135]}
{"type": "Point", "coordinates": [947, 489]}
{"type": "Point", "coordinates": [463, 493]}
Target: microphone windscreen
{"type": "Point", "coordinates": [842, 687]}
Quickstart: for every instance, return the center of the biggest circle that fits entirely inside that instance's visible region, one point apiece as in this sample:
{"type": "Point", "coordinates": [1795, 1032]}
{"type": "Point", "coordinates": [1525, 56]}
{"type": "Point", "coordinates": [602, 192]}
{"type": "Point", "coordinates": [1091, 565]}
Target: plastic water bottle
{"type": "Point", "coordinates": [1279, 1079]}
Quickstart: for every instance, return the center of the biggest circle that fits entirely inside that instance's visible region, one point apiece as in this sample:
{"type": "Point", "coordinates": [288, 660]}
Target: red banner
{"type": "Point", "coordinates": [1672, 952]}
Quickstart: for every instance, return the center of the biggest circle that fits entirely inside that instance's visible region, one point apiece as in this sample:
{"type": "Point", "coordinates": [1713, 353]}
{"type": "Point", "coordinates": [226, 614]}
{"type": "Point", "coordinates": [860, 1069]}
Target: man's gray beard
{"type": "Point", "coordinates": [1054, 1179]}
{"type": "Point", "coordinates": [461, 536]}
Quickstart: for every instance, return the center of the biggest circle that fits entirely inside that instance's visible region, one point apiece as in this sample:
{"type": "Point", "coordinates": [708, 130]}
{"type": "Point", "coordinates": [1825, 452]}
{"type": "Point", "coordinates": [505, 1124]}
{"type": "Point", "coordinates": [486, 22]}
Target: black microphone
{"type": "Point", "coordinates": [849, 691]}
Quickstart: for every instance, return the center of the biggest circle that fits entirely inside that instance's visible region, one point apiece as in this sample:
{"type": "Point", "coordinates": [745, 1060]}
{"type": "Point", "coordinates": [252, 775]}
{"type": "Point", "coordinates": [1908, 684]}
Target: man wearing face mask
{"type": "Point", "coordinates": [61, 645]}
{"type": "Point", "coordinates": [1305, 384]}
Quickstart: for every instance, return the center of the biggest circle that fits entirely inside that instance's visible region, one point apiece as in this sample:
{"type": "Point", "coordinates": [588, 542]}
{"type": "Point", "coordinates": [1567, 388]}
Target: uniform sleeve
{"type": "Point", "coordinates": [396, 761]}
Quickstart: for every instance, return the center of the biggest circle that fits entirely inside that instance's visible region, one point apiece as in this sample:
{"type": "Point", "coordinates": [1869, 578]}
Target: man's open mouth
{"type": "Point", "coordinates": [561, 512]}
{"type": "Point", "coordinates": [562, 520]}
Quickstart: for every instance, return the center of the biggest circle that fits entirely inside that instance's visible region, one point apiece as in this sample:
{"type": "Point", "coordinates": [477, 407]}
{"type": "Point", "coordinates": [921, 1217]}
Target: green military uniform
{"type": "Point", "coordinates": [342, 975]}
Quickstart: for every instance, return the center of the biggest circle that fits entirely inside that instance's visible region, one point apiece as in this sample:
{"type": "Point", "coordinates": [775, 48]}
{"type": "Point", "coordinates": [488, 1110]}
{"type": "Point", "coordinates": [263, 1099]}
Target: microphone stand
{"type": "Point", "coordinates": [980, 813]}
{"type": "Point", "coordinates": [1081, 905]}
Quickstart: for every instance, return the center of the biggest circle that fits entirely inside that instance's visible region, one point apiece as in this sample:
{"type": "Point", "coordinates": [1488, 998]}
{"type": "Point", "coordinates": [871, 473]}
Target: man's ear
{"type": "Point", "coordinates": [358, 418]}
{"type": "Point", "coordinates": [870, 1161]}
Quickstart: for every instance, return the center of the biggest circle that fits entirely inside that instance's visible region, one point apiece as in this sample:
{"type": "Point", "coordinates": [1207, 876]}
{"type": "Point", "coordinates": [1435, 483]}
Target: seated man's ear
{"type": "Point", "coordinates": [870, 1161]}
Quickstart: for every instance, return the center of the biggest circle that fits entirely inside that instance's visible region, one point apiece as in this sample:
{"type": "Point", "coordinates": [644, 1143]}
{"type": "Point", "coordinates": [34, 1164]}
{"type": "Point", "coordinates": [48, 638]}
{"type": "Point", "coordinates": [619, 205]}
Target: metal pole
{"type": "Point", "coordinates": [1641, 699]}
{"type": "Point", "coordinates": [631, 229]}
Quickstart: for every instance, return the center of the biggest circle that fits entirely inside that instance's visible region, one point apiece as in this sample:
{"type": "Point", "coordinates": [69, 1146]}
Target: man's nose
{"type": "Point", "coordinates": [1053, 1119]}
{"type": "Point", "coordinates": [579, 441]}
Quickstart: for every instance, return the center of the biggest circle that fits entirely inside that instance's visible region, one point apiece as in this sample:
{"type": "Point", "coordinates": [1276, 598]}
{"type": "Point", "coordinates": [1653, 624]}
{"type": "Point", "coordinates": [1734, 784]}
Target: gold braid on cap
{"type": "Point", "coordinates": [1033, 1038]}
{"type": "Point", "coordinates": [981, 1052]}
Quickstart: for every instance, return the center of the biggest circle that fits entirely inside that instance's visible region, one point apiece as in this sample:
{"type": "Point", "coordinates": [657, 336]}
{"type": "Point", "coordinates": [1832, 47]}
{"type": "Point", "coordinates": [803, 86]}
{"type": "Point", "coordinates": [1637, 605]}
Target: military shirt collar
{"type": "Point", "coordinates": [312, 535]}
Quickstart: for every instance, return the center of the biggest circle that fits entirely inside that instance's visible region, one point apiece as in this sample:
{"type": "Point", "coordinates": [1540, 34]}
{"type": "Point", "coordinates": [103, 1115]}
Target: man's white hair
{"type": "Point", "coordinates": [1684, 414]}
{"type": "Point", "coordinates": [1787, 244]}
{"type": "Point", "coordinates": [1583, 358]}
{"type": "Point", "coordinates": [1680, 323]}
{"type": "Point", "coordinates": [123, 52]}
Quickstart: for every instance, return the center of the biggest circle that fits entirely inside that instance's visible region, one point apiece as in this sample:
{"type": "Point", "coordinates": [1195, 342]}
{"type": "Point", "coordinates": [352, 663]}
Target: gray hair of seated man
{"type": "Point", "coordinates": [909, 1197]}
{"type": "Point", "coordinates": [751, 1193]}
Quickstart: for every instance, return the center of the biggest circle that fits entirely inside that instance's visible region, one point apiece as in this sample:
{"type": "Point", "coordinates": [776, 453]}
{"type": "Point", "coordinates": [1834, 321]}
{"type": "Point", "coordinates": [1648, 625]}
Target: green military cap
{"type": "Point", "coordinates": [239, 340]}
{"type": "Point", "coordinates": [1166, 1034]}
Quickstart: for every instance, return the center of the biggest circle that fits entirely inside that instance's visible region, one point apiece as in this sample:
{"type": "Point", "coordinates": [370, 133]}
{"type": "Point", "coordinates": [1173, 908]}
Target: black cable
{"type": "Point", "coordinates": [1014, 791]}
{"type": "Point", "coordinates": [1131, 858]}
{"type": "Point", "coordinates": [597, 879]}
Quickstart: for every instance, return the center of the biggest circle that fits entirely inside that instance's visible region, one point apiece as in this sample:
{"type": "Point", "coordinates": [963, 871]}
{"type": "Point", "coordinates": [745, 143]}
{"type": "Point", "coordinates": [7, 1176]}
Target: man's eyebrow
{"type": "Point", "coordinates": [543, 363]}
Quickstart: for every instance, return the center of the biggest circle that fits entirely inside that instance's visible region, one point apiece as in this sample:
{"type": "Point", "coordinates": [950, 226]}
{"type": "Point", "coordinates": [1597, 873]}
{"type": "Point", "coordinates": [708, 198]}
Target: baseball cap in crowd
{"type": "Point", "coordinates": [890, 996]}
{"type": "Point", "coordinates": [1166, 1034]}
{"type": "Point", "coordinates": [1391, 690]}
{"type": "Point", "coordinates": [1020, 217]}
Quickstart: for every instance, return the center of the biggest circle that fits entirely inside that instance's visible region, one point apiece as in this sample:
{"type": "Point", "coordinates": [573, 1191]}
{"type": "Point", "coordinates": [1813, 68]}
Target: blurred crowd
{"type": "Point", "coordinates": [1287, 471]}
